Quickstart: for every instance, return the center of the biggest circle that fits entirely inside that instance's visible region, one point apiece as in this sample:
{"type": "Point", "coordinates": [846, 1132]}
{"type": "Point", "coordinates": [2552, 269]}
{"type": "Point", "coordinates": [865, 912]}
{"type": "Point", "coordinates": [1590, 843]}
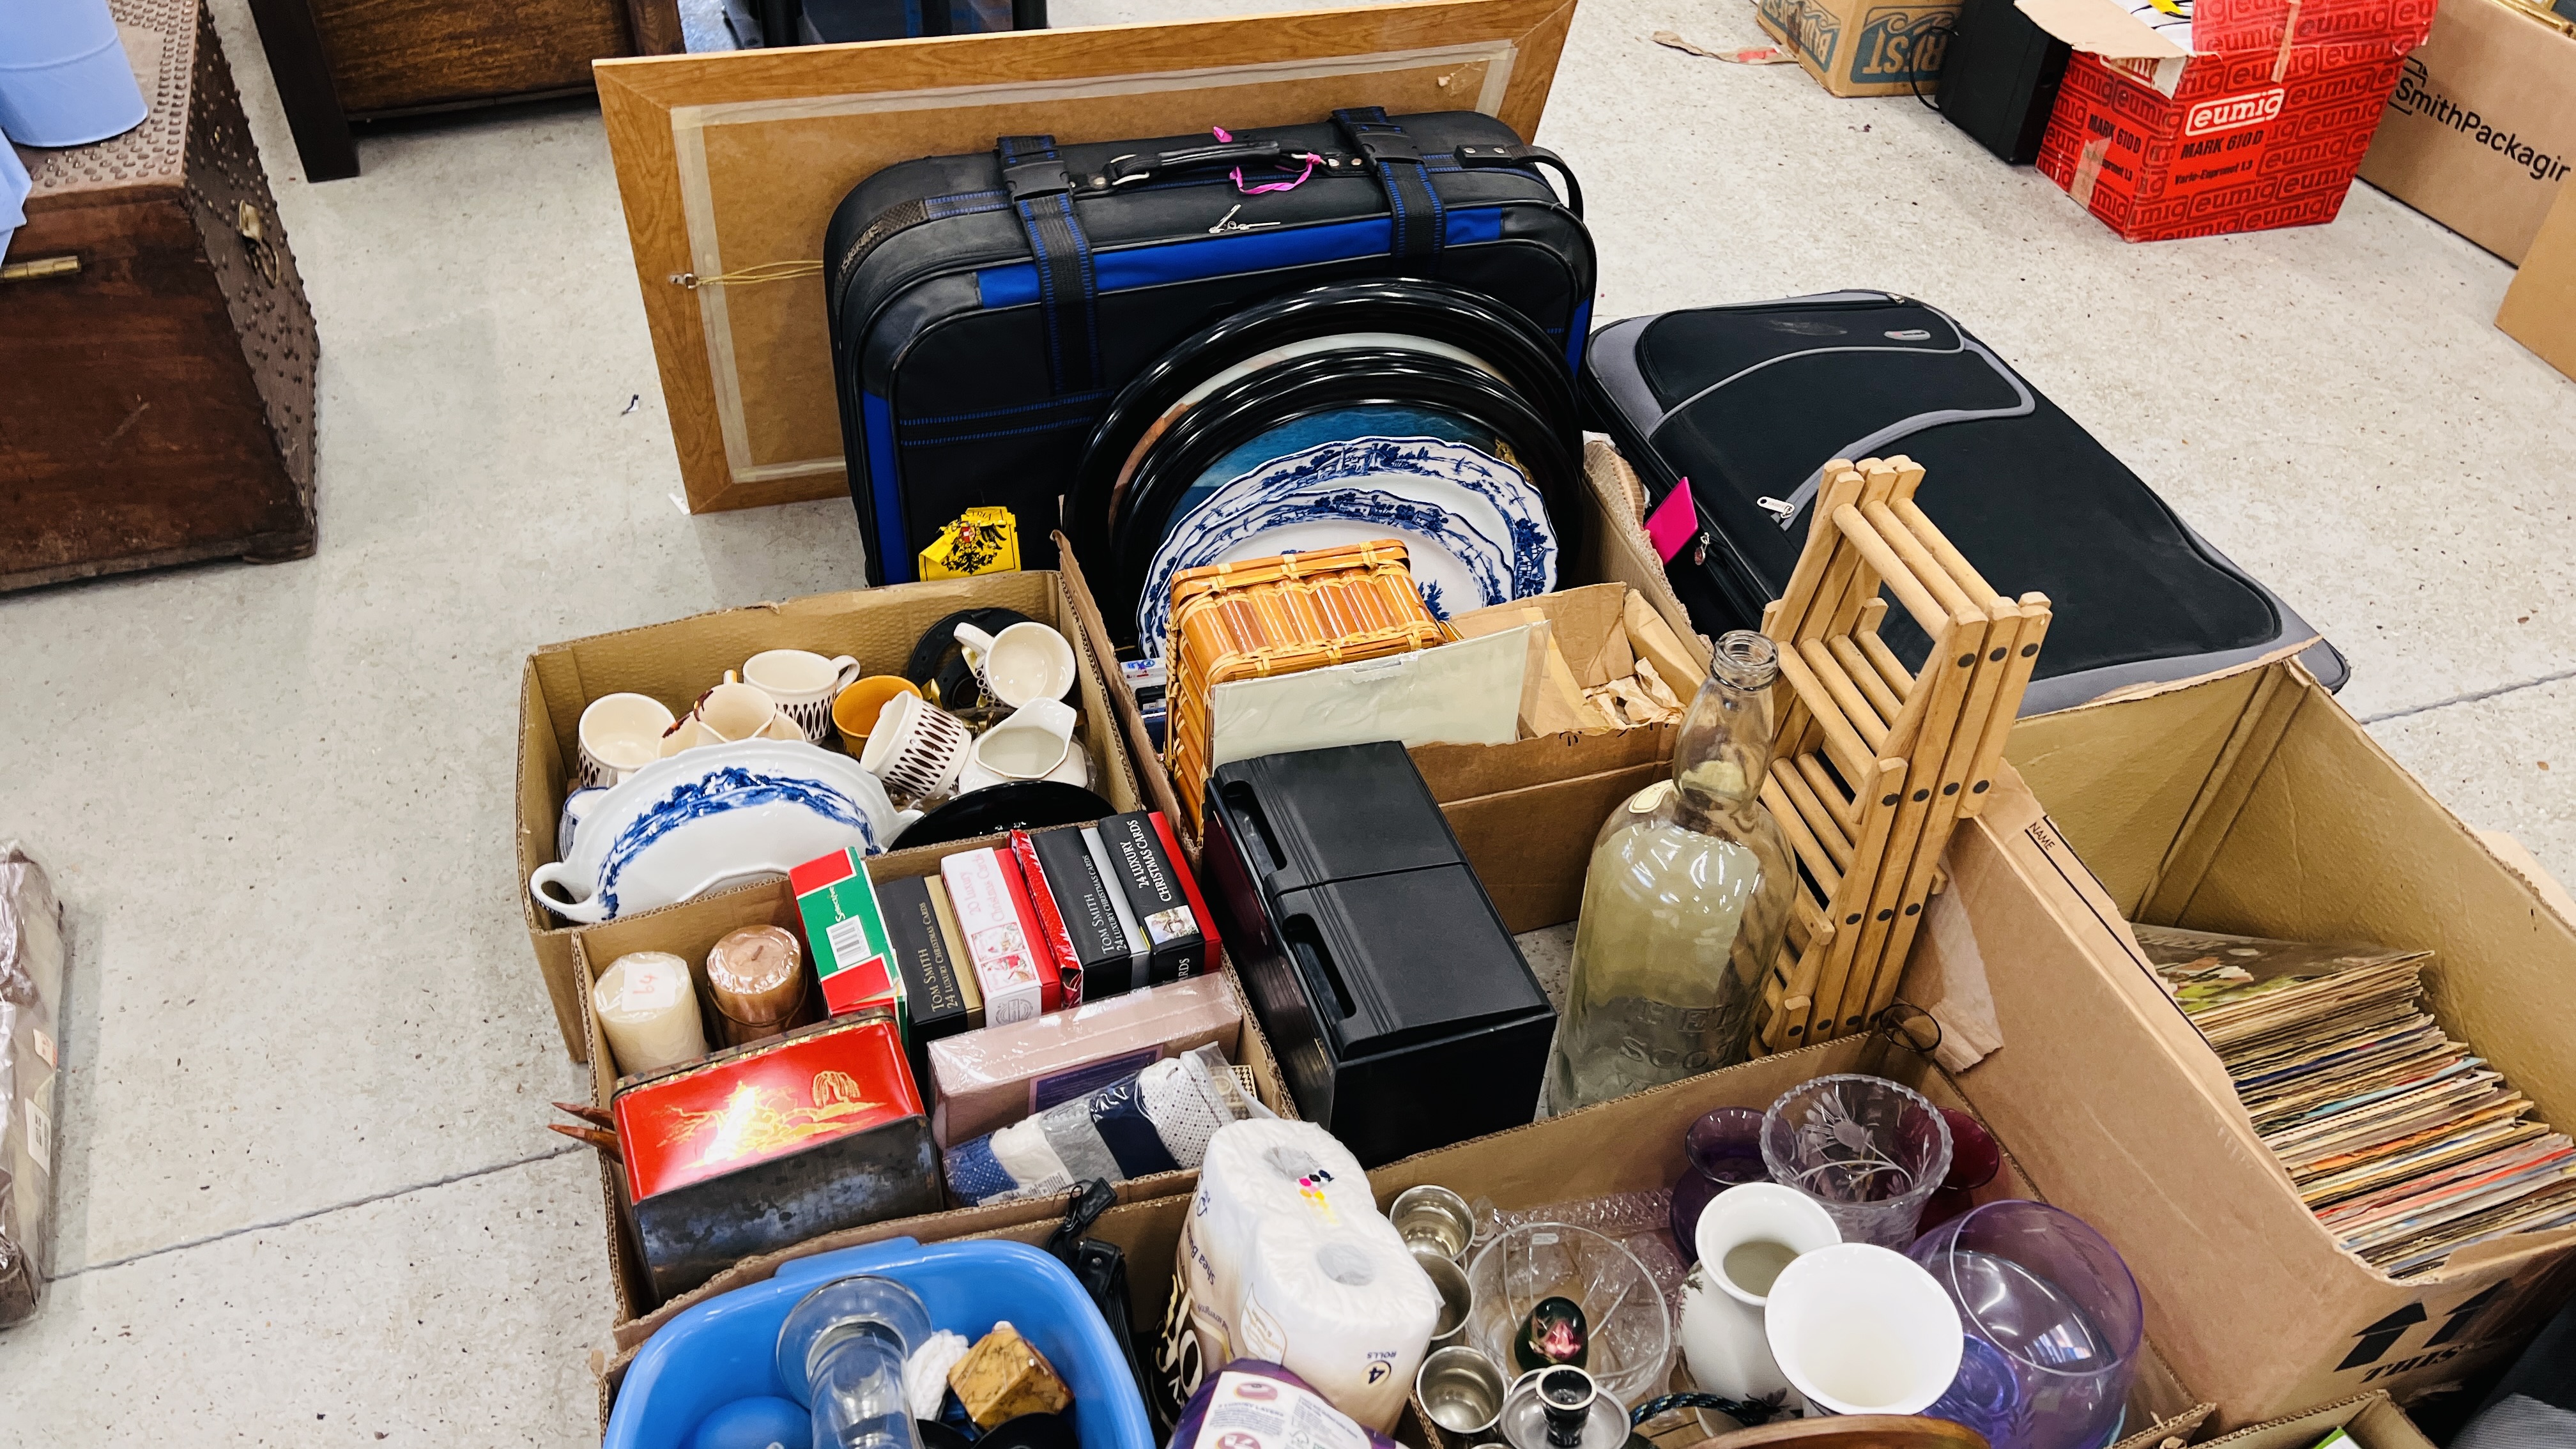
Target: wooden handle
{"type": "Point", "coordinates": [1812, 814]}
{"type": "Point", "coordinates": [1863, 671]}
{"type": "Point", "coordinates": [1845, 808]}
{"type": "Point", "coordinates": [1842, 742]}
{"type": "Point", "coordinates": [1810, 851]}
{"type": "Point", "coordinates": [604, 1141]}
{"type": "Point", "coordinates": [1891, 570]}
{"type": "Point", "coordinates": [2035, 615]}
{"type": "Point", "coordinates": [595, 1116]}
{"type": "Point", "coordinates": [1858, 712]}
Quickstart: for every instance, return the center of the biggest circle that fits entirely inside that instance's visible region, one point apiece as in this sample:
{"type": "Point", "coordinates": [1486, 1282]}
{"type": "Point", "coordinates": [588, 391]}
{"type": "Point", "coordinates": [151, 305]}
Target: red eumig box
{"type": "Point", "coordinates": [2247, 115]}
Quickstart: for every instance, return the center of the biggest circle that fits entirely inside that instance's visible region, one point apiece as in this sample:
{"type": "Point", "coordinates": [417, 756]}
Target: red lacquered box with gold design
{"type": "Point", "coordinates": [769, 1145]}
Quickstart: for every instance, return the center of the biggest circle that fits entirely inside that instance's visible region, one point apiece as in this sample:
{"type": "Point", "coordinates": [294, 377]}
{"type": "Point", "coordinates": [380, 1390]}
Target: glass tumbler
{"type": "Point", "coordinates": [1870, 1150]}
{"type": "Point", "coordinates": [841, 1353]}
{"type": "Point", "coordinates": [1723, 1149]}
{"type": "Point", "coordinates": [2043, 1296]}
{"type": "Point", "coordinates": [1974, 1160]}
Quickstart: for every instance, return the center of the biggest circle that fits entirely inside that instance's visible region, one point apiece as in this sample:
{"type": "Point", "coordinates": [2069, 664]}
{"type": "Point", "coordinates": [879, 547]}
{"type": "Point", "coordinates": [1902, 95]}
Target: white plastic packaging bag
{"type": "Point", "coordinates": [1285, 1257]}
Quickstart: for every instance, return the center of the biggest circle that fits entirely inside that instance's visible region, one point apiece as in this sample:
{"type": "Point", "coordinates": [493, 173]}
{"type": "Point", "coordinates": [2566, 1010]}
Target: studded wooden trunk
{"type": "Point", "coordinates": [156, 350]}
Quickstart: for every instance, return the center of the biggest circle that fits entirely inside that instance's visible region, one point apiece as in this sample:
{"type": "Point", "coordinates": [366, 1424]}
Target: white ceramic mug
{"type": "Point", "coordinates": [735, 711]}
{"type": "Point", "coordinates": [1860, 1329]}
{"type": "Point", "coordinates": [620, 734]}
{"type": "Point", "coordinates": [917, 748]}
{"type": "Point", "coordinates": [1035, 743]}
{"type": "Point", "coordinates": [803, 683]}
{"type": "Point", "coordinates": [1024, 663]}
{"type": "Point", "coordinates": [1747, 1237]}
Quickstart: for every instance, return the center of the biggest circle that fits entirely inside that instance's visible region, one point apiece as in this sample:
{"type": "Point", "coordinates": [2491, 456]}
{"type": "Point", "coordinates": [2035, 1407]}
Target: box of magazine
{"type": "Point", "coordinates": [2334, 1168]}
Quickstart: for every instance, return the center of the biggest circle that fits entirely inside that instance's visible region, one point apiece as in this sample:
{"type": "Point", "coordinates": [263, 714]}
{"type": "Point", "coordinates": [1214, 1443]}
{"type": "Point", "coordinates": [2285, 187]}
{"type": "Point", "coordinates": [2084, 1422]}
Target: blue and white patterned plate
{"type": "Point", "coordinates": [1475, 529]}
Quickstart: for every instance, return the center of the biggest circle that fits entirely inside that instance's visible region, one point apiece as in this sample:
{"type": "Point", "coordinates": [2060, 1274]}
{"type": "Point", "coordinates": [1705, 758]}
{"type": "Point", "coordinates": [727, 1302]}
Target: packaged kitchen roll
{"type": "Point", "coordinates": [1285, 1257]}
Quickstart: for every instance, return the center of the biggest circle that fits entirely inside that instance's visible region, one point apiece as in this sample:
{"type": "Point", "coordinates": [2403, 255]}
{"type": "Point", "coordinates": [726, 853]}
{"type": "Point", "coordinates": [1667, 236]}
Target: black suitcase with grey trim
{"type": "Point", "coordinates": [1747, 403]}
{"type": "Point", "coordinates": [985, 309]}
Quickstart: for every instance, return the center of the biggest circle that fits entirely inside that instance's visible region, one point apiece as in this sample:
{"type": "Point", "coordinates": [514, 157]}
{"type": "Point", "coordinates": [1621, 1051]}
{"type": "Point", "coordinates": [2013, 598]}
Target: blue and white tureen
{"type": "Point", "coordinates": [714, 816]}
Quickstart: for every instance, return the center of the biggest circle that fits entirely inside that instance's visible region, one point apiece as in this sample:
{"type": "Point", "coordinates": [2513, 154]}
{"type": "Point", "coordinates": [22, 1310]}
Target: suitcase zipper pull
{"type": "Point", "coordinates": [1227, 225]}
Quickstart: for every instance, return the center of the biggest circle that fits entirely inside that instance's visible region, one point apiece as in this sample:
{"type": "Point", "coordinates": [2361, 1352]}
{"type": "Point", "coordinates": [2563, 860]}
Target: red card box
{"type": "Point", "coordinates": [2262, 126]}
{"type": "Point", "coordinates": [771, 1144]}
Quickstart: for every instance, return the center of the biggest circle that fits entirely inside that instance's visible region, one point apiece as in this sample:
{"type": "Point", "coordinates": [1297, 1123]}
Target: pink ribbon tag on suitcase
{"type": "Point", "coordinates": [1674, 523]}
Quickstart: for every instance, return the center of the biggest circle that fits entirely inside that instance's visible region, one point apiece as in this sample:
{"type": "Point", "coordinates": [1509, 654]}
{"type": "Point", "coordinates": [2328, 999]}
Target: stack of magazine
{"type": "Point", "coordinates": [2405, 1144]}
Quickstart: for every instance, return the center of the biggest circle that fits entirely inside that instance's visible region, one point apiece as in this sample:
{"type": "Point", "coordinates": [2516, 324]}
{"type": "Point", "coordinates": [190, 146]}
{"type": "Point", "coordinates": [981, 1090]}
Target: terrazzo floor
{"type": "Point", "coordinates": [306, 1197]}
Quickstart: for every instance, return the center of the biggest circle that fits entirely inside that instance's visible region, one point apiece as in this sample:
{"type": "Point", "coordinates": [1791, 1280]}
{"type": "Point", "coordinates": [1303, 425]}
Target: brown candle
{"type": "Point", "coordinates": [757, 975]}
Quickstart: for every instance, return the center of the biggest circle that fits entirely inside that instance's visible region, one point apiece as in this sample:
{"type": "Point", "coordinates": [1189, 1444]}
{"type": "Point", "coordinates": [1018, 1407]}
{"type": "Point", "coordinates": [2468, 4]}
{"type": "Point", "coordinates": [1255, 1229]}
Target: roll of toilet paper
{"type": "Point", "coordinates": [1286, 1258]}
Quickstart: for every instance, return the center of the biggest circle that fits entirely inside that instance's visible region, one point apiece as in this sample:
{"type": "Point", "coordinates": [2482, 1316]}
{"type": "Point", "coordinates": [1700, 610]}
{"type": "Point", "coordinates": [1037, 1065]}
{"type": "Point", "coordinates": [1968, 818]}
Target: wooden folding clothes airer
{"type": "Point", "coordinates": [1872, 763]}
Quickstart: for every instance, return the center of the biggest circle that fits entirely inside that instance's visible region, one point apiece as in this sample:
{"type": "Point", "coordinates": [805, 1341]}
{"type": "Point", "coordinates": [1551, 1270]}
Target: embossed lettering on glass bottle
{"type": "Point", "coordinates": [1688, 893]}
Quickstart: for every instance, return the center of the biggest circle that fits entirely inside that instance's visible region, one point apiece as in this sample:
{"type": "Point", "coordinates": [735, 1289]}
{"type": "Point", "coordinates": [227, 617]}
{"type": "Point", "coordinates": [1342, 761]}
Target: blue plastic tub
{"type": "Point", "coordinates": [708, 1379]}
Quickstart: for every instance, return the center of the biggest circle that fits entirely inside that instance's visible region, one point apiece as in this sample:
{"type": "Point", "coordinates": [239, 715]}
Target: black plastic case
{"type": "Point", "coordinates": [1394, 997]}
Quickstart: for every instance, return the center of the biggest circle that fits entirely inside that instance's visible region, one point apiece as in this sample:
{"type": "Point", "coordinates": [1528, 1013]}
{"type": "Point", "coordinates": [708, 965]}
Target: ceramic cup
{"type": "Point", "coordinates": [1024, 663]}
{"type": "Point", "coordinates": [1858, 1329]}
{"type": "Point", "coordinates": [1035, 743]}
{"type": "Point", "coordinates": [619, 735]}
{"type": "Point", "coordinates": [855, 709]}
{"type": "Point", "coordinates": [917, 748]}
{"type": "Point", "coordinates": [735, 711]}
{"type": "Point", "coordinates": [803, 683]}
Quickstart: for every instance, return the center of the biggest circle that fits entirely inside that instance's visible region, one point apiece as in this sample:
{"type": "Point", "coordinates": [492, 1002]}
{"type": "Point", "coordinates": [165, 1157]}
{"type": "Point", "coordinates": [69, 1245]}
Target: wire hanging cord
{"type": "Point", "coordinates": [750, 276]}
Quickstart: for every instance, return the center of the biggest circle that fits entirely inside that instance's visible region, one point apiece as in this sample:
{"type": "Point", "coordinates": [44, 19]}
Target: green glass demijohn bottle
{"type": "Point", "coordinates": [1684, 904]}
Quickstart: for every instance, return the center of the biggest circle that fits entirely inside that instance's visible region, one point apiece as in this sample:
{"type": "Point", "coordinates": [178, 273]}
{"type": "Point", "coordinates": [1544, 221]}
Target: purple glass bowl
{"type": "Point", "coordinates": [2054, 1299]}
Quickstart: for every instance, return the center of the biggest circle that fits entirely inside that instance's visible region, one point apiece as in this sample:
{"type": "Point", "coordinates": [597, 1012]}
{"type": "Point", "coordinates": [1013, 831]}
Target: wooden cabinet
{"type": "Point", "coordinates": [156, 351]}
{"type": "Point", "coordinates": [336, 61]}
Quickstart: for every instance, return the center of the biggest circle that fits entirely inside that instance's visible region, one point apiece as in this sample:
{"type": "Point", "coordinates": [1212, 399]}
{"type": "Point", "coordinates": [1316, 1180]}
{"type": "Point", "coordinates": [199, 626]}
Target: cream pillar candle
{"type": "Point", "coordinates": [649, 1011]}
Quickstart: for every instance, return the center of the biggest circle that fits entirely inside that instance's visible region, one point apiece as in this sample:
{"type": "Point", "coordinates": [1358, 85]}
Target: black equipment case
{"type": "Point", "coordinates": [1749, 402]}
{"type": "Point", "coordinates": [984, 309]}
{"type": "Point", "coordinates": [1999, 78]}
{"type": "Point", "coordinates": [1395, 999]}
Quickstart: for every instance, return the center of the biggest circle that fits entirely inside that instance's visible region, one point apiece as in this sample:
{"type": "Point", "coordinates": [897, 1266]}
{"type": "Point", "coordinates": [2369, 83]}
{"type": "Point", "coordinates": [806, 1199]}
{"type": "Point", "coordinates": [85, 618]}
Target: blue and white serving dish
{"type": "Point", "coordinates": [714, 816]}
{"type": "Point", "coordinates": [1474, 527]}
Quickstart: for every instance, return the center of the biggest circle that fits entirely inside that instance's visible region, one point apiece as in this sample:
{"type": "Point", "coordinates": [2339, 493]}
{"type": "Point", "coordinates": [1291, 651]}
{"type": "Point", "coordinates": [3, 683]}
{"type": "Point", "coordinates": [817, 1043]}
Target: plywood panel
{"type": "Point", "coordinates": [734, 161]}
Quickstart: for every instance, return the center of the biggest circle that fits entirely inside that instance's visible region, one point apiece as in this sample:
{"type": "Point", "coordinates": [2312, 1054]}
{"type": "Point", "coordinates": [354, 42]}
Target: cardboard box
{"type": "Point", "coordinates": [687, 931]}
{"type": "Point", "coordinates": [2370, 1421]}
{"type": "Point", "coordinates": [1489, 791]}
{"type": "Point", "coordinates": [2259, 122]}
{"type": "Point", "coordinates": [1554, 1161]}
{"type": "Point", "coordinates": [2539, 309]}
{"type": "Point", "coordinates": [2481, 129]}
{"type": "Point", "coordinates": [2248, 803]}
{"type": "Point", "coordinates": [1864, 47]}
{"type": "Point", "coordinates": [677, 661]}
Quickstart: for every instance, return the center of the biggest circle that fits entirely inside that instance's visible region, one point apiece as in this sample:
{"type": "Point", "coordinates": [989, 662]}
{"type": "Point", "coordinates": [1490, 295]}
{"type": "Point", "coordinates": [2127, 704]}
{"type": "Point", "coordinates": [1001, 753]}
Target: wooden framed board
{"type": "Point", "coordinates": [732, 162]}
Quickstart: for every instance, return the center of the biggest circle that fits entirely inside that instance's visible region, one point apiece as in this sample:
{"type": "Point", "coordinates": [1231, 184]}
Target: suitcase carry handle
{"type": "Point", "coordinates": [1041, 192]}
{"type": "Point", "coordinates": [1420, 222]}
{"type": "Point", "coordinates": [1518, 158]}
{"type": "Point", "coordinates": [1127, 170]}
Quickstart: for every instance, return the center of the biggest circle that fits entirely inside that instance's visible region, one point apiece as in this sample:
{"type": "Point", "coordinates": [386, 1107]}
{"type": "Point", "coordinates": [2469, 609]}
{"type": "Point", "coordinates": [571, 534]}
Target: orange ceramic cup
{"type": "Point", "coordinates": [855, 709]}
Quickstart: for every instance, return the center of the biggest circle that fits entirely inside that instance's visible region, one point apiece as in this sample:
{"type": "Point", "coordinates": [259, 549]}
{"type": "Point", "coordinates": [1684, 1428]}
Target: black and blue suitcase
{"type": "Point", "coordinates": [1746, 404]}
{"type": "Point", "coordinates": [985, 309]}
